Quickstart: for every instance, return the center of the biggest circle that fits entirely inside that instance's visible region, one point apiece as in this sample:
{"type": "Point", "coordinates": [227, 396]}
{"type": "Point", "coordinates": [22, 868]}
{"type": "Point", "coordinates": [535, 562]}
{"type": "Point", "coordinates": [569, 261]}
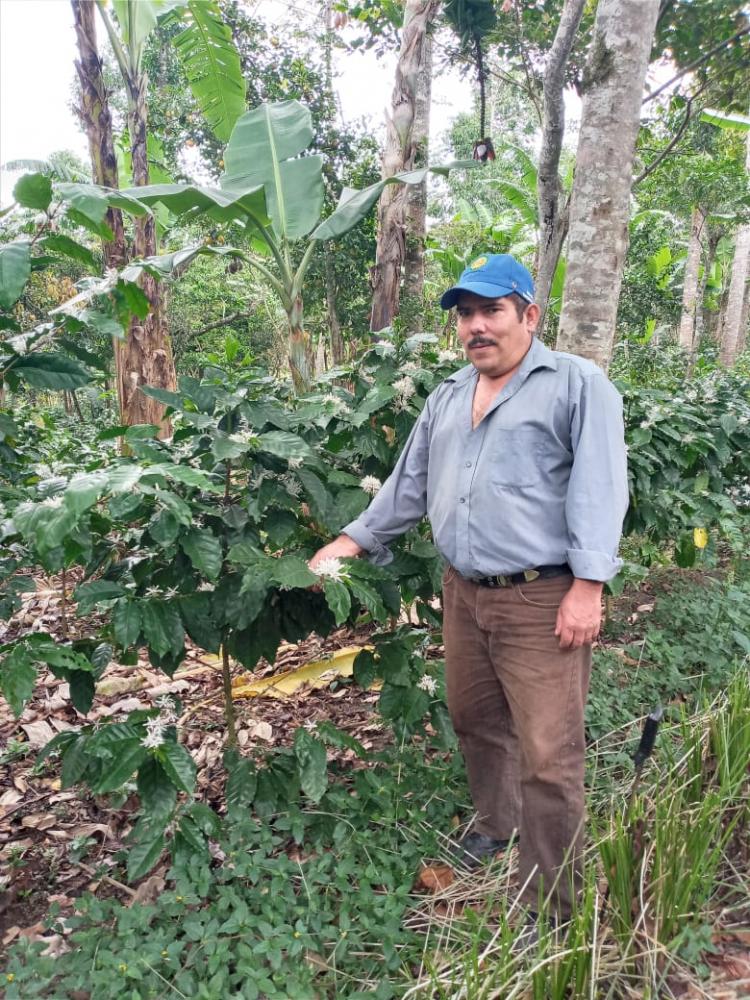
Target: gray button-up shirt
{"type": "Point", "coordinates": [542, 480]}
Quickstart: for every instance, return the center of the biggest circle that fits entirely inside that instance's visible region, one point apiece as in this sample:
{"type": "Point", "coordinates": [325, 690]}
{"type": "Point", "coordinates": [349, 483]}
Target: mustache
{"type": "Point", "coordinates": [480, 342]}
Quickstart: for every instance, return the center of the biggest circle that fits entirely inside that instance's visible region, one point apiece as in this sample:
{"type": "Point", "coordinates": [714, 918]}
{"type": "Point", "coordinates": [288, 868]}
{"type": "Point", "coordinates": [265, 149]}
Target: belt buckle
{"type": "Point", "coordinates": [500, 581]}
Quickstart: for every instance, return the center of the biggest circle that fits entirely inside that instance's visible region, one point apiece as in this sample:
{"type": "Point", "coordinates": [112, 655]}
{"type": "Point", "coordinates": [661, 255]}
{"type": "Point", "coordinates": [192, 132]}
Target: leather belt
{"type": "Point", "coordinates": [525, 576]}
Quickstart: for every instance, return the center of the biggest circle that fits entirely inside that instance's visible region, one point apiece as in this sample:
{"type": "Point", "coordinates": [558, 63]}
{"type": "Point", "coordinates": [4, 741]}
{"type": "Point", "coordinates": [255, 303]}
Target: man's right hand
{"type": "Point", "coordinates": [342, 547]}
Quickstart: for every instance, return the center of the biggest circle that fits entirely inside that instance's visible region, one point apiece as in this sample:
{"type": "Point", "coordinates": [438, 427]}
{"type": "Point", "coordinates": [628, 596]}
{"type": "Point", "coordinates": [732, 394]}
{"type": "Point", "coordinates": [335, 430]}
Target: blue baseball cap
{"type": "Point", "coordinates": [492, 276]}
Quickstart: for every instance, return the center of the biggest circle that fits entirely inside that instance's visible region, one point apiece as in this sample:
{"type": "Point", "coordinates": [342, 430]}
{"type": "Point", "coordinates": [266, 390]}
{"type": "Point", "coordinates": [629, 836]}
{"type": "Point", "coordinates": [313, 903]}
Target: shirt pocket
{"type": "Point", "coordinates": [517, 458]}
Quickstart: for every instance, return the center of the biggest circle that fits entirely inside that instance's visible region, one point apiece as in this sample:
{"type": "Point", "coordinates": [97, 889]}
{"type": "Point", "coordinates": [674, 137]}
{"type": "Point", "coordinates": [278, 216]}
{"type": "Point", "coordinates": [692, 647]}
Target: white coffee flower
{"type": "Point", "coordinates": [337, 404]}
{"type": "Point", "coordinates": [427, 683]}
{"type": "Point", "coordinates": [153, 592]}
{"type": "Point", "coordinates": [167, 712]}
{"type": "Point", "coordinates": [170, 593]}
{"type": "Point", "coordinates": [206, 586]}
{"type": "Point", "coordinates": [52, 502]}
{"type": "Point", "coordinates": [331, 569]}
{"type": "Point", "coordinates": [291, 485]}
{"type": "Point", "coordinates": [295, 463]}
{"type": "Point", "coordinates": [446, 357]}
{"type": "Point", "coordinates": [405, 387]}
{"type": "Point", "coordinates": [370, 484]}
{"type": "Point", "coordinates": [154, 733]}
{"type": "Point", "coordinates": [243, 437]}
{"type": "Point", "coordinates": [410, 367]}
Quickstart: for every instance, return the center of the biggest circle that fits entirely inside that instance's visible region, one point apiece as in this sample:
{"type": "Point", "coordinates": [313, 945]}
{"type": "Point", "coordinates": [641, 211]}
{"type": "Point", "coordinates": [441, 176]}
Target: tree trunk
{"type": "Point", "coordinates": [690, 301]}
{"type": "Point", "coordinates": [744, 321]}
{"type": "Point", "coordinates": [713, 235]}
{"type": "Point", "coordinates": [553, 221]}
{"type": "Point", "coordinates": [338, 354]}
{"type": "Point", "coordinates": [732, 334]}
{"type": "Point", "coordinates": [600, 201]}
{"type": "Point", "coordinates": [731, 327]}
{"type": "Point", "coordinates": [301, 360]}
{"type": "Point", "coordinates": [400, 150]}
{"type": "Point", "coordinates": [94, 114]}
{"type": "Point", "coordinates": [416, 197]}
{"type": "Point", "coordinates": [145, 356]}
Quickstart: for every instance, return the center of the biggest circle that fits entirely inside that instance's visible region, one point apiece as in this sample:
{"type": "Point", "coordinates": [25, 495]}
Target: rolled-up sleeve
{"type": "Point", "coordinates": [597, 496]}
{"type": "Point", "coordinates": [401, 501]}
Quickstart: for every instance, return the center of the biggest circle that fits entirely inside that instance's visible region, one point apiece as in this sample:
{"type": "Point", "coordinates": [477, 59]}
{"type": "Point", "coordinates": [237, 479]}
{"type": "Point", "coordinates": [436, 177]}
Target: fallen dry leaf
{"type": "Point", "coordinates": [10, 797]}
{"type": "Point", "coordinates": [148, 891]}
{"type": "Point", "coordinates": [125, 705]}
{"type": "Point", "coordinates": [56, 946]}
{"type": "Point", "coordinates": [731, 965]}
{"type": "Point", "coordinates": [86, 829]}
{"type": "Point", "coordinates": [61, 725]}
{"type": "Point", "coordinates": [319, 673]}
{"type": "Point", "coordinates": [121, 685]}
{"type": "Point", "coordinates": [11, 934]}
{"type": "Point", "coordinates": [33, 932]}
{"type": "Point", "coordinates": [262, 731]}
{"type": "Point", "coordinates": [15, 847]}
{"type": "Point", "coordinates": [39, 733]}
{"type": "Point", "coordinates": [39, 821]}
{"type": "Point", "coordinates": [435, 878]}
{"type": "Point", "coordinates": [173, 687]}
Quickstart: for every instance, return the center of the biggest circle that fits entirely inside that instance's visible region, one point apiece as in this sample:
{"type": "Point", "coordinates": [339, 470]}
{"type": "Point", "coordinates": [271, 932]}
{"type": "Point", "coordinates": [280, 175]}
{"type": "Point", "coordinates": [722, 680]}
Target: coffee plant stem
{"type": "Point", "coordinates": [63, 607]}
{"type": "Point", "coordinates": [228, 703]}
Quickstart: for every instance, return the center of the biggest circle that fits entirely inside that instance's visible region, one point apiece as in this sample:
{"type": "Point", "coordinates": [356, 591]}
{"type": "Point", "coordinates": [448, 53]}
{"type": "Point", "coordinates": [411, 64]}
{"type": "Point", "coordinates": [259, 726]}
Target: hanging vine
{"type": "Point", "coordinates": [472, 20]}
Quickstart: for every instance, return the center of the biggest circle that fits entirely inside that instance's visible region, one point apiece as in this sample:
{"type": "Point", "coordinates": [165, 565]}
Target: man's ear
{"type": "Point", "coordinates": [531, 316]}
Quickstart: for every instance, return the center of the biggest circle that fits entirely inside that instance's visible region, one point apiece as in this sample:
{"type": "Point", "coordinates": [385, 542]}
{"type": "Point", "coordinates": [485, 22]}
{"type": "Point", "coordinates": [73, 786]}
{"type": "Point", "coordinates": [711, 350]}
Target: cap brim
{"type": "Point", "coordinates": [483, 288]}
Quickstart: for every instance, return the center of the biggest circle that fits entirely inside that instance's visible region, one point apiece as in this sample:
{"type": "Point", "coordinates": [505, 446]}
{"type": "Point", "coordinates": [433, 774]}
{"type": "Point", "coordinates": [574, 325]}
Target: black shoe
{"type": "Point", "coordinates": [473, 849]}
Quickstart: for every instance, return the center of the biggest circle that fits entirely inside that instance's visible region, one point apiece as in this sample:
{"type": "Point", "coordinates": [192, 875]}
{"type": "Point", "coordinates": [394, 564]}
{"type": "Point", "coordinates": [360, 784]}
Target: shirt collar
{"type": "Point", "coordinates": [537, 356]}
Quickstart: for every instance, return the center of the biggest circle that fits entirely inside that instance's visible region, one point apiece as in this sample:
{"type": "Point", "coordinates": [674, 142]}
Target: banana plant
{"type": "Point", "coordinates": [277, 195]}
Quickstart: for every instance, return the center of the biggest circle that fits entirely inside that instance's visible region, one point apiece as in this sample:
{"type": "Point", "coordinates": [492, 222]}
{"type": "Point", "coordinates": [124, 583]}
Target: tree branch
{"type": "Point", "coordinates": [696, 63]}
{"type": "Point", "coordinates": [675, 139]}
{"type": "Point", "coordinates": [532, 90]}
{"type": "Point", "coordinates": [227, 321]}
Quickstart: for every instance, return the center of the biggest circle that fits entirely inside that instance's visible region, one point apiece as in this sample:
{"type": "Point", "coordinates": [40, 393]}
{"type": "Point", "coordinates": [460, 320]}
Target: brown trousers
{"type": "Point", "coordinates": [516, 701]}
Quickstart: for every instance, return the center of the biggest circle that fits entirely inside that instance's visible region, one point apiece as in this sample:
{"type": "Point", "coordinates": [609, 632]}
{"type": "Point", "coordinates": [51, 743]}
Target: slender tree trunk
{"type": "Point", "coordinates": [732, 334]}
{"type": "Point", "coordinates": [94, 114]}
{"type": "Point", "coordinates": [331, 181]}
{"type": "Point", "coordinates": [731, 326]}
{"type": "Point", "coordinates": [145, 356]}
{"type": "Point", "coordinates": [400, 150]}
{"type": "Point", "coordinates": [599, 207]}
{"type": "Point", "coordinates": [416, 196]}
{"type": "Point", "coordinates": [553, 220]}
{"type": "Point", "coordinates": [690, 301]}
{"type": "Point", "coordinates": [338, 353]}
{"type": "Point", "coordinates": [139, 359]}
{"type": "Point", "coordinates": [744, 322]}
{"type": "Point", "coordinates": [713, 235]}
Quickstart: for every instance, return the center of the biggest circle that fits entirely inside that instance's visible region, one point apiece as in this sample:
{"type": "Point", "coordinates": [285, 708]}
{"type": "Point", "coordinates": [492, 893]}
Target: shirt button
{"type": "Point", "coordinates": [468, 465]}
{"type": "Point", "coordinates": [462, 499]}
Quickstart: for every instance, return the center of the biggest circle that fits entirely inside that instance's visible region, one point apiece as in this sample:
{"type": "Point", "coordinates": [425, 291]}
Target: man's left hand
{"type": "Point", "coordinates": [579, 616]}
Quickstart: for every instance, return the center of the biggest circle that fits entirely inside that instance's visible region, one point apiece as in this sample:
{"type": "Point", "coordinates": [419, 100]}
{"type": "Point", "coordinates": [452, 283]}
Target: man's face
{"type": "Point", "coordinates": [493, 336]}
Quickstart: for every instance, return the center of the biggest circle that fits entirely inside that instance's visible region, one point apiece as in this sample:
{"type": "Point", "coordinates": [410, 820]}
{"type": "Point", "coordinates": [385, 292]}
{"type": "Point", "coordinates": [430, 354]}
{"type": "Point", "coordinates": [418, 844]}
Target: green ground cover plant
{"type": "Point", "coordinates": [305, 888]}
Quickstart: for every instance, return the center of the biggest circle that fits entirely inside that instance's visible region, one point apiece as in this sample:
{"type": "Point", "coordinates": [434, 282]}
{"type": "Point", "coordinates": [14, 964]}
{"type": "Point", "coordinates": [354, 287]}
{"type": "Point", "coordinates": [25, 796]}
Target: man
{"type": "Point", "coordinates": [519, 461]}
